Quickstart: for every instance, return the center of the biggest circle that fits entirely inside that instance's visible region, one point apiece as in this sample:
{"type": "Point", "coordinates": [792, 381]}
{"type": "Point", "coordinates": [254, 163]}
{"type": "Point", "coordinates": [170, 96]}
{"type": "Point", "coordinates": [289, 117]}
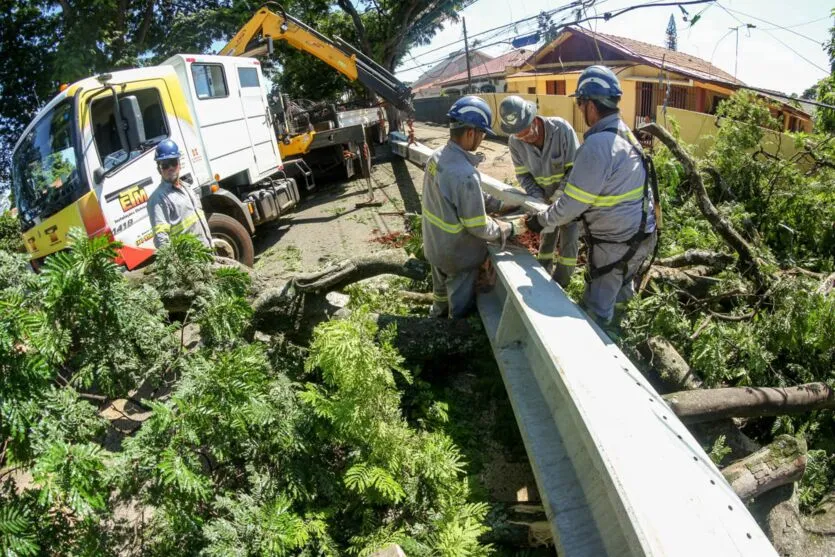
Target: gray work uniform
{"type": "Point", "coordinates": [605, 189]}
{"type": "Point", "coordinates": [176, 210]}
{"type": "Point", "coordinates": [456, 228]}
{"type": "Point", "coordinates": [542, 173]}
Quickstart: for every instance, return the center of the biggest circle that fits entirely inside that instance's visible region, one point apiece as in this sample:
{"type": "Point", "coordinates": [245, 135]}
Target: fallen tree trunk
{"type": "Point", "coordinates": [749, 263]}
{"type": "Point", "coordinates": [746, 402]}
{"type": "Point", "coordinates": [387, 262]}
{"type": "Point", "coordinates": [697, 257]}
{"type": "Point", "coordinates": [780, 463]}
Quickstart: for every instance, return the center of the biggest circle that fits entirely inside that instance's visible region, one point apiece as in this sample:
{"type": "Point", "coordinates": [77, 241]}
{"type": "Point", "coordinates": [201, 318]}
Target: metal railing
{"type": "Point", "coordinates": [618, 473]}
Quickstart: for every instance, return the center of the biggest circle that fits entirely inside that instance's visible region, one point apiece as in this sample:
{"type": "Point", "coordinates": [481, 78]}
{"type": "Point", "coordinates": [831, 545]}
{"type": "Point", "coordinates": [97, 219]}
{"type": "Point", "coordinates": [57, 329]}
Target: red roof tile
{"type": "Point", "coordinates": [494, 67]}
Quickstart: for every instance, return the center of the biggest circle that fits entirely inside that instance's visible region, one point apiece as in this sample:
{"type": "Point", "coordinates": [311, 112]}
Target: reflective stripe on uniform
{"type": "Point", "coordinates": [438, 222]}
{"type": "Point", "coordinates": [184, 224]}
{"type": "Point", "coordinates": [474, 222]}
{"type": "Point", "coordinates": [577, 194]}
{"type": "Point", "coordinates": [522, 170]}
{"type": "Point", "coordinates": [439, 298]}
{"type": "Point", "coordinates": [545, 256]}
{"type": "Point", "coordinates": [548, 180]}
{"type": "Point", "coordinates": [162, 228]}
{"type": "Point", "coordinates": [432, 167]}
{"type": "Point", "coordinates": [567, 261]}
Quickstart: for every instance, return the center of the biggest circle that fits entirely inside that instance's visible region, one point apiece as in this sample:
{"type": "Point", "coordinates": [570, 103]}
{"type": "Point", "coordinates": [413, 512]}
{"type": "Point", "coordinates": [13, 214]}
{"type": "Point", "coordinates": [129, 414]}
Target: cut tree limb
{"type": "Point", "coordinates": [780, 463]}
{"type": "Point", "coordinates": [745, 402]}
{"type": "Point", "coordinates": [394, 262]}
{"type": "Point", "coordinates": [749, 264]}
{"type": "Point", "coordinates": [697, 257]}
{"type": "Point", "coordinates": [673, 371]}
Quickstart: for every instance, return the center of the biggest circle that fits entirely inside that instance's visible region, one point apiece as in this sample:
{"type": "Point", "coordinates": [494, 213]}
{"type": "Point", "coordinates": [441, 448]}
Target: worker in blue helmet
{"type": "Point", "coordinates": [542, 149]}
{"type": "Point", "coordinates": [456, 225]}
{"type": "Point", "coordinates": [174, 209]}
{"type": "Point", "coordinates": [610, 190]}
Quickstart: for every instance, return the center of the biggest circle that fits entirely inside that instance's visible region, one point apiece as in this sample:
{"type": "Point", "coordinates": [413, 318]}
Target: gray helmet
{"type": "Point", "coordinates": [516, 114]}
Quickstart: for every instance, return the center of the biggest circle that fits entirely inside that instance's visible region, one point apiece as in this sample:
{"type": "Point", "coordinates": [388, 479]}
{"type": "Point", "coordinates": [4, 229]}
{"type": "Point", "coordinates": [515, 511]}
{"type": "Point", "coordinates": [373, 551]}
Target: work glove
{"type": "Point", "coordinates": [532, 223]}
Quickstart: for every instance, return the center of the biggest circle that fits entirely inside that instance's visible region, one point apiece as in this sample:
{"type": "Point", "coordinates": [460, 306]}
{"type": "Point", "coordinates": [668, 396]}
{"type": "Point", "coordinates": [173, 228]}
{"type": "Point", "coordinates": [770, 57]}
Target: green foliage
{"type": "Point", "coordinates": [17, 532]}
{"type": "Point", "coordinates": [719, 450]}
{"type": "Point", "coordinates": [10, 233]}
{"type": "Point", "coordinates": [817, 479]}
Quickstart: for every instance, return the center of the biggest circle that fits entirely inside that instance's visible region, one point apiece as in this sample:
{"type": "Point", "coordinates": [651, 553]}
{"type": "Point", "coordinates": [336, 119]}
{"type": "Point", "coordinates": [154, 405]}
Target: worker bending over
{"type": "Point", "coordinates": [456, 227]}
{"type": "Point", "coordinates": [609, 190]}
{"type": "Point", "coordinates": [543, 150]}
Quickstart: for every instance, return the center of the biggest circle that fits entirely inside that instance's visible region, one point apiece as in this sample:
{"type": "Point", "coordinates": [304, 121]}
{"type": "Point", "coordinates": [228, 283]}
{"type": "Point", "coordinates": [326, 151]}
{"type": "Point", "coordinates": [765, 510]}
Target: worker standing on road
{"type": "Point", "coordinates": [543, 150]}
{"type": "Point", "coordinates": [456, 227]}
{"type": "Point", "coordinates": [173, 207]}
{"type": "Point", "coordinates": [611, 189]}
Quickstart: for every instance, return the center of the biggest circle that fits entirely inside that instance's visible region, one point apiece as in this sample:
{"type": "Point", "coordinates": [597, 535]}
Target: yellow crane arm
{"type": "Point", "coordinates": [268, 24]}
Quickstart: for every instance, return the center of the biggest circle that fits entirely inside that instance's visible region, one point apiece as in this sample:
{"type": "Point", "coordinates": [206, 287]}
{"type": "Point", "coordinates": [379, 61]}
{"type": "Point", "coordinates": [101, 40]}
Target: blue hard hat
{"type": "Point", "coordinates": [516, 114]}
{"type": "Point", "coordinates": [474, 112]}
{"type": "Point", "coordinates": [167, 150]}
{"type": "Point", "coordinates": [601, 84]}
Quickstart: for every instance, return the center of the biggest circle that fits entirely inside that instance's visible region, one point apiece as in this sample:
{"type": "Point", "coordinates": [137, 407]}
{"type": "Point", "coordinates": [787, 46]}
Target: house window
{"type": "Point", "coordinates": [678, 97]}
{"type": "Point", "coordinates": [645, 101]}
{"type": "Point", "coordinates": [555, 87]}
{"type": "Point", "coordinates": [106, 135]}
{"type": "Point", "coordinates": [209, 81]}
{"type": "Point", "coordinates": [248, 77]}
{"type": "Point", "coordinates": [532, 90]}
{"type": "Point", "coordinates": [716, 101]}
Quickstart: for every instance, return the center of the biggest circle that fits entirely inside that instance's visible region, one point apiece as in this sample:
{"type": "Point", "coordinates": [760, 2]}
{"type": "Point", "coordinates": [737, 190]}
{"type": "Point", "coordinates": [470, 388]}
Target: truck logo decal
{"type": "Point", "coordinates": [131, 196]}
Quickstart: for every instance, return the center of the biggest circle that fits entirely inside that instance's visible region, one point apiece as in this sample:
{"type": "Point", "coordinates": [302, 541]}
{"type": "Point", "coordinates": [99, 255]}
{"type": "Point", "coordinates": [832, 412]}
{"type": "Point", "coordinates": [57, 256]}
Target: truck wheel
{"type": "Point", "coordinates": [231, 239]}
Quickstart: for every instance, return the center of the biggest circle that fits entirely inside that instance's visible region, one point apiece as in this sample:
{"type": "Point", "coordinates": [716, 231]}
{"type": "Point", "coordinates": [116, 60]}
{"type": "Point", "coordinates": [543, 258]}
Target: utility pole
{"type": "Point", "coordinates": [736, 30]}
{"type": "Point", "coordinates": [467, 54]}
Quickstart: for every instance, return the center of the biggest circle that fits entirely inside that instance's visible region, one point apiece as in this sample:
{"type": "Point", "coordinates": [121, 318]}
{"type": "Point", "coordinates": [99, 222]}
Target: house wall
{"type": "Point", "coordinates": [699, 130]}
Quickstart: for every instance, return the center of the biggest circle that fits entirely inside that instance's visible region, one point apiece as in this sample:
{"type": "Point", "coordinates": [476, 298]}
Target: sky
{"type": "Point", "coordinates": [762, 60]}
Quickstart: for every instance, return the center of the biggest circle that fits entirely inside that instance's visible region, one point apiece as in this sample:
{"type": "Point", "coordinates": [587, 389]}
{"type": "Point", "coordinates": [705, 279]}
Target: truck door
{"type": "Point", "coordinates": [258, 118]}
{"type": "Point", "coordinates": [127, 179]}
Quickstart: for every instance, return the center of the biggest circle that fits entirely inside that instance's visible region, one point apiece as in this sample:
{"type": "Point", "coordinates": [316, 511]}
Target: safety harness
{"type": "Point", "coordinates": [633, 243]}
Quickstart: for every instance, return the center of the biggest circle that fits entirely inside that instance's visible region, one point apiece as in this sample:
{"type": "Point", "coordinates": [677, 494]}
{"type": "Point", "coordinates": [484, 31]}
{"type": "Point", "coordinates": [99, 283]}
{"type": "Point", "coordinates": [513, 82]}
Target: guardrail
{"type": "Point", "coordinates": [618, 473]}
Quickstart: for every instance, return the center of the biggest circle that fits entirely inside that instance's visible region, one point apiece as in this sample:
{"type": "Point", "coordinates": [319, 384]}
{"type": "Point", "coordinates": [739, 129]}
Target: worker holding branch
{"type": "Point", "coordinates": [543, 150]}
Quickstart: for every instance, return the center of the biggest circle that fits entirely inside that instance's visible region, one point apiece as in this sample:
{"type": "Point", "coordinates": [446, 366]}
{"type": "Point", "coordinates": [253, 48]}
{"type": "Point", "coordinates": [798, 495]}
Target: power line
{"type": "Point", "coordinates": [506, 25]}
{"type": "Point", "coordinates": [605, 17]}
{"type": "Point", "coordinates": [770, 34]}
{"type": "Point", "coordinates": [797, 24]}
{"type": "Point", "coordinates": [775, 26]}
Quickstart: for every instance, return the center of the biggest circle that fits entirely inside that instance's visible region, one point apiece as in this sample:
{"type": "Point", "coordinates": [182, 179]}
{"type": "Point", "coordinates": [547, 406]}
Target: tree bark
{"type": "Point", "coordinates": [749, 263]}
{"type": "Point", "coordinates": [395, 262]}
{"type": "Point", "coordinates": [359, 26]}
{"type": "Point", "coordinates": [673, 371]}
{"type": "Point", "coordinates": [746, 402]}
{"type": "Point", "coordinates": [695, 280]}
{"type": "Point", "coordinates": [697, 257]}
{"type": "Point", "coordinates": [780, 463]}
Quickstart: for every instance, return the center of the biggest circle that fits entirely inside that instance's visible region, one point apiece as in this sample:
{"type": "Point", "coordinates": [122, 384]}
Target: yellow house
{"type": "Point", "coordinates": [650, 76]}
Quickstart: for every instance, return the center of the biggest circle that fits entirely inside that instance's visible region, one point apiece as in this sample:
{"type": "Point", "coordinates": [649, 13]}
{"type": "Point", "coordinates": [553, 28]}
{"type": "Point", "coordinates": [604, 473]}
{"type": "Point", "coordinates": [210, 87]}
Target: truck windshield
{"type": "Point", "coordinates": [45, 177]}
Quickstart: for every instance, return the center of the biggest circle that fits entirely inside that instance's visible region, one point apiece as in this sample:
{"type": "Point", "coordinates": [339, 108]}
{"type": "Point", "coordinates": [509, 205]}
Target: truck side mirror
{"type": "Point", "coordinates": [98, 175]}
{"type": "Point", "coordinates": [132, 116]}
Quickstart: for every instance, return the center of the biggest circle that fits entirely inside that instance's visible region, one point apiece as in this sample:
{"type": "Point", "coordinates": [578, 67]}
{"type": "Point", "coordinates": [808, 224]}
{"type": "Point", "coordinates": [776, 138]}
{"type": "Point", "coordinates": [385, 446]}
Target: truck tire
{"type": "Point", "coordinates": [232, 235]}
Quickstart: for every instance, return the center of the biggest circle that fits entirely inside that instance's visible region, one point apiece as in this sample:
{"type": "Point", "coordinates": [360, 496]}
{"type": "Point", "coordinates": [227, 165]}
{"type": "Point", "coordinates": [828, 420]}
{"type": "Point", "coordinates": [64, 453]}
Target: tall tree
{"type": "Point", "coordinates": [672, 34]}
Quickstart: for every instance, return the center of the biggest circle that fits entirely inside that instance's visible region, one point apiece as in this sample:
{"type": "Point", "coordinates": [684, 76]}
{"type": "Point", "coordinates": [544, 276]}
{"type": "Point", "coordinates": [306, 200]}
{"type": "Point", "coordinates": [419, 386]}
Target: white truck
{"type": "Point", "coordinates": [74, 166]}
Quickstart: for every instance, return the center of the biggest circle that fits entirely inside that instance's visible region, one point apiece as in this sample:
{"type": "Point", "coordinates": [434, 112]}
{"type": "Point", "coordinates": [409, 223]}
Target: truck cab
{"type": "Point", "coordinates": [87, 159]}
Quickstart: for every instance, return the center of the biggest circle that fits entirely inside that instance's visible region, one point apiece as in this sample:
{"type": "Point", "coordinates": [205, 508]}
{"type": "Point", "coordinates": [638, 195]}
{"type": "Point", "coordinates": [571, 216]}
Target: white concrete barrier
{"type": "Point", "coordinates": [618, 473]}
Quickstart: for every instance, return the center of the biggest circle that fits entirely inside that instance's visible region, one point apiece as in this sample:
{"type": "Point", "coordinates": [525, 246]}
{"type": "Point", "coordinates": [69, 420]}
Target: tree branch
{"type": "Point", "coordinates": [697, 257]}
{"type": "Point", "coordinates": [748, 402]}
{"type": "Point", "coordinates": [147, 18]}
{"type": "Point", "coordinates": [780, 463]}
{"type": "Point", "coordinates": [359, 26]}
{"type": "Point", "coordinates": [749, 263]}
